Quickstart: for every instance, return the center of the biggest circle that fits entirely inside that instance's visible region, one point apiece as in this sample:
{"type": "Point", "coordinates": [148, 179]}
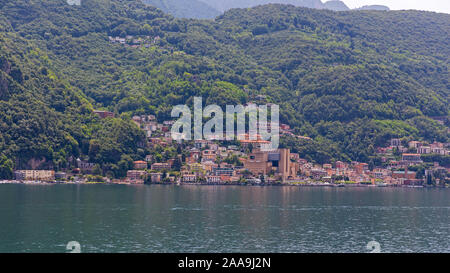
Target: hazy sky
{"type": "Point", "coordinates": [430, 5]}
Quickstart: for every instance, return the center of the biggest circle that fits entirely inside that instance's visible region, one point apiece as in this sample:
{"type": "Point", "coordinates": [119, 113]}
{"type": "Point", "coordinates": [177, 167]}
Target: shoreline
{"type": "Point", "coordinates": [318, 184]}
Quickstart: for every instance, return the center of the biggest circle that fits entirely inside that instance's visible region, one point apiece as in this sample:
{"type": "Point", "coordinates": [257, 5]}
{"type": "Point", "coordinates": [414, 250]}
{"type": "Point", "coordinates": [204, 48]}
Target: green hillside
{"type": "Point", "coordinates": [349, 80]}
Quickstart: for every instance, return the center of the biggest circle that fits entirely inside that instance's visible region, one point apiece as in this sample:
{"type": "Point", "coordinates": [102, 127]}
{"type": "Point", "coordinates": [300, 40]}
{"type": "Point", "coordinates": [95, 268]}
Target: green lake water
{"type": "Point", "coordinates": [157, 218]}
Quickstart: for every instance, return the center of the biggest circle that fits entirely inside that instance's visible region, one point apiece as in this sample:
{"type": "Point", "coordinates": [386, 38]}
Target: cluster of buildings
{"type": "Point", "coordinates": [208, 162]}
{"type": "Point", "coordinates": [135, 42]}
{"type": "Point", "coordinates": [151, 127]}
{"type": "Point", "coordinates": [410, 154]}
{"type": "Point", "coordinates": [419, 147]}
{"type": "Point", "coordinates": [256, 167]}
{"type": "Point", "coordinates": [214, 162]}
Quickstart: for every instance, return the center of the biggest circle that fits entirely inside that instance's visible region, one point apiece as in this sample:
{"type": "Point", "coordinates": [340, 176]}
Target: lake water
{"type": "Point", "coordinates": [157, 218]}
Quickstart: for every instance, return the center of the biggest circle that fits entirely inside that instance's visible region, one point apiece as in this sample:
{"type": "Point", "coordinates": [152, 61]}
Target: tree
{"type": "Point", "coordinates": [6, 168]}
{"type": "Point", "coordinates": [429, 179]}
{"type": "Point", "coordinates": [177, 164]}
{"type": "Point", "coordinates": [97, 170]}
{"type": "Point", "coordinates": [124, 165]}
{"type": "Point", "coordinates": [246, 173]}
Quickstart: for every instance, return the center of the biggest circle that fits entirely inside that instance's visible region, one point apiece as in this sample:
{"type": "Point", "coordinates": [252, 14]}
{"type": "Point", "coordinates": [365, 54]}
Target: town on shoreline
{"type": "Point", "coordinates": [245, 162]}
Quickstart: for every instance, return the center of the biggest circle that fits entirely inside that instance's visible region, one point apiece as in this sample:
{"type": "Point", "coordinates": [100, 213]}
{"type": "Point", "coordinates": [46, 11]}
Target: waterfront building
{"type": "Point", "coordinates": [60, 175]}
{"type": "Point", "coordinates": [263, 162]}
{"type": "Point", "coordinates": [189, 178]}
{"type": "Point", "coordinates": [404, 175]}
{"type": "Point", "coordinates": [35, 175]}
{"type": "Point", "coordinates": [155, 177]}
{"type": "Point", "coordinates": [213, 179]}
{"type": "Point", "coordinates": [85, 166]}
{"type": "Point", "coordinates": [258, 163]}
{"type": "Point", "coordinates": [136, 174]}
{"type": "Point", "coordinates": [380, 173]}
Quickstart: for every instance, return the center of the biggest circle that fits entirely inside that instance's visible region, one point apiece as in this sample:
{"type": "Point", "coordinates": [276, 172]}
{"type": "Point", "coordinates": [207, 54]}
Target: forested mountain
{"type": "Point", "coordinates": [348, 80]}
{"type": "Point", "coordinates": [224, 5]}
{"type": "Point", "coordinates": [185, 9]}
{"type": "Point", "coordinates": [336, 5]}
{"type": "Point", "coordinates": [209, 9]}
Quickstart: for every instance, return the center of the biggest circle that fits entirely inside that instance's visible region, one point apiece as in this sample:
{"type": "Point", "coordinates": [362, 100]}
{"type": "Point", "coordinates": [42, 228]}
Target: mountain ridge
{"type": "Point", "coordinates": [178, 8]}
{"type": "Point", "coordinates": [374, 7]}
{"type": "Point", "coordinates": [335, 5]}
{"type": "Point", "coordinates": [209, 9]}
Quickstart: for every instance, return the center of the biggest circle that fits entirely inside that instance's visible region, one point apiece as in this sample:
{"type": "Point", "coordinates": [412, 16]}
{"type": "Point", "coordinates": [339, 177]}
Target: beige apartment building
{"type": "Point", "coordinates": [136, 174]}
{"type": "Point", "coordinates": [36, 175]}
